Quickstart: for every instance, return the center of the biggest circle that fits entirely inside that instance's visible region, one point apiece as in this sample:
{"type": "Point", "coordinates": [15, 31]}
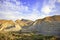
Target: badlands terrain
{"type": "Point", "coordinates": [48, 26]}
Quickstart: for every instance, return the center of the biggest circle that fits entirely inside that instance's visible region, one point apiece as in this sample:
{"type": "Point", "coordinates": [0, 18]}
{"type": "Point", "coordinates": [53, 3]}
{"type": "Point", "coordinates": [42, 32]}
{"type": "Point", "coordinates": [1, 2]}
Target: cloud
{"type": "Point", "coordinates": [13, 9]}
{"type": "Point", "coordinates": [58, 1]}
{"type": "Point", "coordinates": [16, 11]}
{"type": "Point", "coordinates": [48, 6]}
{"type": "Point", "coordinates": [46, 10]}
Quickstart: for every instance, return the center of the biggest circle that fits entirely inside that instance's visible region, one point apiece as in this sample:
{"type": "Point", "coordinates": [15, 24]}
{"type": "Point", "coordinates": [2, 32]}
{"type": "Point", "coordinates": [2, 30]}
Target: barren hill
{"type": "Point", "coordinates": [46, 26]}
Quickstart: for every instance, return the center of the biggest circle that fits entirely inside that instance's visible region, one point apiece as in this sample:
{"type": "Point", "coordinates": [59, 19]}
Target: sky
{"type": "Point", "coordinates": [28, 9]}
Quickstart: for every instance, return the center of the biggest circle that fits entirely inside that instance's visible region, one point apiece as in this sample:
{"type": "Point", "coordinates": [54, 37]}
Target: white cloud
{"type": "Point", "coordinates": [15, 7]}
{"type": "Point", "coordinates": [34, 15]}
{"type": "Point", "coordinates": [46, 10]}
{"type": "Point", "coordinates": [18, 3]}
{"type": "Point", "coordinates": [58, 1]}
{"type": "Point", "coordinates": [10, 15]}
{"type": "Point", "coordinates": [48, 6]}
{"type": "Point", "coordinates": [12, 11]}
{"type": "Point", "coordinates": [15, 11]}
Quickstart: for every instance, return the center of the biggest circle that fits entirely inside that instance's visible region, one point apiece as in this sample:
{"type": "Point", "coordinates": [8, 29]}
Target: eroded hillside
{"type": "Point", "coordinates": [46, 26]}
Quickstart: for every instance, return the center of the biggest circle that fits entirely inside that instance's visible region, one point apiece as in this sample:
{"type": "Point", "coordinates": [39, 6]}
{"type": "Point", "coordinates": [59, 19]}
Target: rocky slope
{"type": "Point", "coordinates": [9, 25]}
{"type": "Point", "coordinates": [46, 26]}
{"type": "Point", "coordinates": [25, 24]}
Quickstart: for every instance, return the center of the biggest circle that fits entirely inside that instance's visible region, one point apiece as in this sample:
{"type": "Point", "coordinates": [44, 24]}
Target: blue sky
{"type": "Point", "coordinates": [28, 9]}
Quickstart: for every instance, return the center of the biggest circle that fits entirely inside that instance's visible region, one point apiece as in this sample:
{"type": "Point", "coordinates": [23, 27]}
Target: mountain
{"type": "Point", "coordinates": [28, 22]}
{"type": "Point", "coordinates": [25, 24]}
{"type": "Point", "coordinates": [21, 23]}
{"type": "Point", "coordinates": [9, 25]}
{"type": "Point", "coordinates": [46, 26]}
{"type": "Point", "coordinates": [52, 18]}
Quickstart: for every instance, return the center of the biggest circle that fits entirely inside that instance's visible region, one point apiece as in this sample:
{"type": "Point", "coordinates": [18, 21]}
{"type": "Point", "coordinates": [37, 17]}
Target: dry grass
{"type": "Point", "coordinates": [17, 36]}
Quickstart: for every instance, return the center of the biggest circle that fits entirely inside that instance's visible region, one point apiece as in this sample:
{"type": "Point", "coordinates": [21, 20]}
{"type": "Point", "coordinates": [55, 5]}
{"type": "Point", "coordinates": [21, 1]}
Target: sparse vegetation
{"type": "Point", "coordinates": [17, 36]}
{"type": "Point", "coordinates": [30, 30]}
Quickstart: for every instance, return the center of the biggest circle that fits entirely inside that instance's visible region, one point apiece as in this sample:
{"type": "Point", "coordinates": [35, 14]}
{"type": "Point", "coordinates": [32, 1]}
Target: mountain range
{"type": "Point", "coordinates": [47, 26]}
